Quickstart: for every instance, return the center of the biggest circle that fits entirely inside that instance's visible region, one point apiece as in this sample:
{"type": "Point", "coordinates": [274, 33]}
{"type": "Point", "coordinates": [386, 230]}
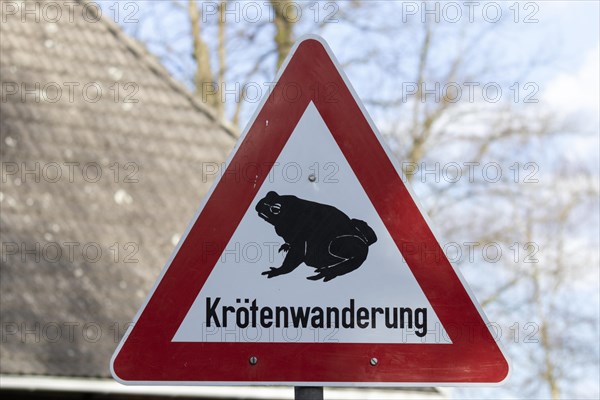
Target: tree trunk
{"type": "Point", "coordinates": [285, 18]}
{"type": "Point", "coordinates": [203, 77]}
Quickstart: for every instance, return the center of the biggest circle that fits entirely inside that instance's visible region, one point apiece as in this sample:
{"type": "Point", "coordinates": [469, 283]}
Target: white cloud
{"type": "Point", "coordinates": [577, 92]}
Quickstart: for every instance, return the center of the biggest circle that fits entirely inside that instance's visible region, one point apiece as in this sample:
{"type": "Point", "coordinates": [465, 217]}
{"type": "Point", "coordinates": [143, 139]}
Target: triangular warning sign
{"type": "Point", "coordinates": [309, 262]}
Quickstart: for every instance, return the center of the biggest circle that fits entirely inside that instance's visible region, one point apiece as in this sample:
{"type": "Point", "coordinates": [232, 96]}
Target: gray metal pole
{"type": "Point", "coordinates": [308, 392]}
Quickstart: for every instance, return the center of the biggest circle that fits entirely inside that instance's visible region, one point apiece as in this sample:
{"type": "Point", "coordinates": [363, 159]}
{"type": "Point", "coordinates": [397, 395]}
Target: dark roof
{"type": "Point", "coordinates": [59, 312]}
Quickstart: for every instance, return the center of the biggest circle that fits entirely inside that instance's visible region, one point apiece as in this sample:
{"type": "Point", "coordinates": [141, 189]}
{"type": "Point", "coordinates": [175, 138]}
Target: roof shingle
{"type": "Point", "coordinates": [80, 251]}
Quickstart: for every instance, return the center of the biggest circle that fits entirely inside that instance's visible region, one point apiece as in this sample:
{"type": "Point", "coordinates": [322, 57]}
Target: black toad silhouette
{"type": "Point", "coordinates": [317, 234]}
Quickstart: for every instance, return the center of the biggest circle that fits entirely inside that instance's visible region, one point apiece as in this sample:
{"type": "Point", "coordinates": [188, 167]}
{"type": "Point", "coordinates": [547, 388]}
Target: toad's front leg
{"type": "Point", "coordinates": [293, 259]}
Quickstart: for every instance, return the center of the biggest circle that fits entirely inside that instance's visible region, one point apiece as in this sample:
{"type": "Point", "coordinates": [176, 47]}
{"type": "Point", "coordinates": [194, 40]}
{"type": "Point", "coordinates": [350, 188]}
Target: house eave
{"type": "Point", "coordinates": [108, 387]}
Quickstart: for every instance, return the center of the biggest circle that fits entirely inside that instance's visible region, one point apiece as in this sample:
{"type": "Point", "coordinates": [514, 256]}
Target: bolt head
{"type": "Point", "coordinates": [253, 360]}
{"type": "Point", "coordinates": [374, 361]}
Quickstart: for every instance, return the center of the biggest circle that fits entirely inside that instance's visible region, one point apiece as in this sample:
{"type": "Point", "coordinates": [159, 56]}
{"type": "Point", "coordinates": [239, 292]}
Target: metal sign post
{"type": "Point", "coordinates": [308, 392]}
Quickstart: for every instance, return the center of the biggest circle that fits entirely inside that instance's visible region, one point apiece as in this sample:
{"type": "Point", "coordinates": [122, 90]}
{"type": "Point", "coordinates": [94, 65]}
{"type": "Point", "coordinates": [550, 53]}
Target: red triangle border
{"type": "Point", "coordinates": [147, 355]}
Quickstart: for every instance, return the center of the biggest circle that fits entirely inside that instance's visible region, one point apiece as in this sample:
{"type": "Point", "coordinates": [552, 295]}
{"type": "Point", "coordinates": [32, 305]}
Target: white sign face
{"type": "Point", "coordinates": [377, 302]}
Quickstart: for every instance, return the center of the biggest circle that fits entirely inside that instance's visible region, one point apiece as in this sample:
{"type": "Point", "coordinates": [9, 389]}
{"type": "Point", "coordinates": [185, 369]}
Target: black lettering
{"type": "Point", "coordinates": [300, 316]}
{"type": "Point", "coordinates": [421, 322]}
{"type": "Point", "coordinates": [278, 312]}
{"type": "Point", "coordinates": [248, 313]}
{"type": "Point", "coordinates": [266, 314]}
{"type": "Point", "coordinates": [388, 324]}
{"type": "Point", "coordinates": [374, 311]}
{"type": "Point", "coordinates": [406, 311]}
{"type": "Point", "coordinates": [362, 318]}
{"type": "Point", "coordinates": [211, 313]}
{"type": "Point", "coordinates": [348, 311]}
{"type": "Point", "coordinates": [225, 311]}
{"type": "Point", "coordinates": [254, 309]}
{"type": "Point", "coordinates": [336, 313]}
{"type": "Point", "coordinates": [317, 319]}
{"type": "Point", "coordinates": [242, 316]}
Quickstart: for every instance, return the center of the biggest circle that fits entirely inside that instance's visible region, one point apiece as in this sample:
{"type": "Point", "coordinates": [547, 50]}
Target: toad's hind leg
{"type": "Point", "coordinates": [350, 250]}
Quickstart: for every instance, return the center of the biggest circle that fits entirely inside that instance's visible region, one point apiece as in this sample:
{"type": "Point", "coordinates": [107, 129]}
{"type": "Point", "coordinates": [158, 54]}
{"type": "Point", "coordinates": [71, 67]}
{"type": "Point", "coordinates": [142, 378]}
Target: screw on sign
{"type": "Point", "coordinates": [344, 301]}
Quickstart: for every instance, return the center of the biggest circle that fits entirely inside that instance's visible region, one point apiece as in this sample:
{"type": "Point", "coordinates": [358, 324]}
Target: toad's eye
{"type": "Point", "coordinates": [276, 208]}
